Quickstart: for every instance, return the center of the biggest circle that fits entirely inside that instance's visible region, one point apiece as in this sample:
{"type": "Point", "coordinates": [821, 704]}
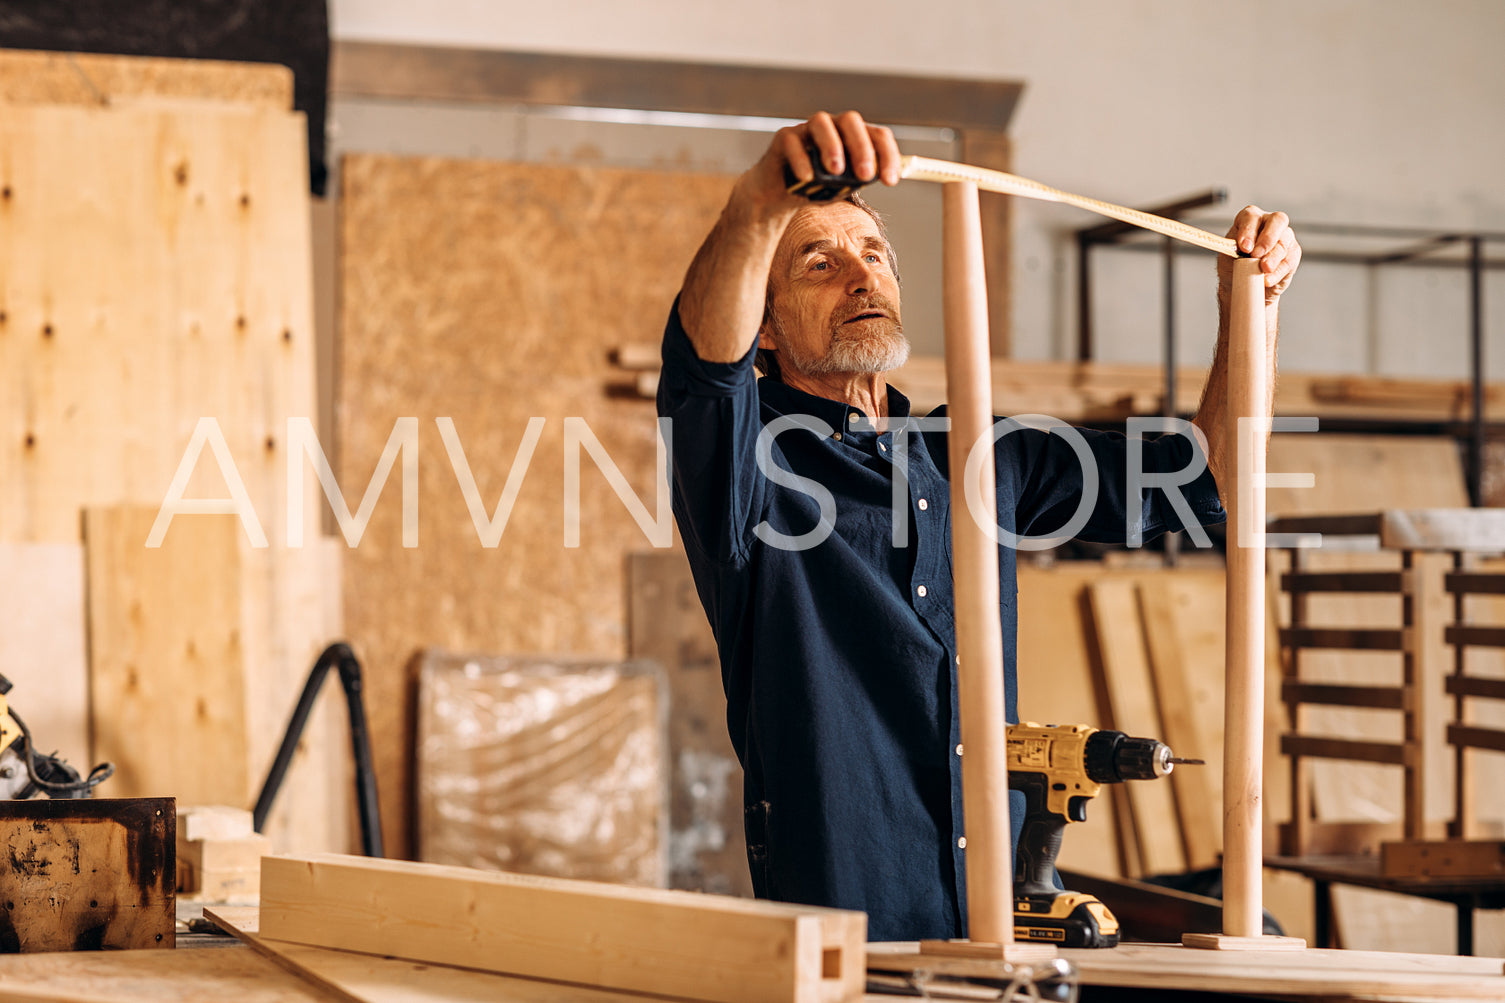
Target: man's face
{"type": "Point", "coordinates": [835, 299]}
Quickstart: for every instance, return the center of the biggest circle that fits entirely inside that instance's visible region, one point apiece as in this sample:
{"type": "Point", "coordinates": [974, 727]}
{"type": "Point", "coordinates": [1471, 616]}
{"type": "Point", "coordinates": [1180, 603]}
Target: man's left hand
{"type": "Point", "coordinates": [1267, 236]}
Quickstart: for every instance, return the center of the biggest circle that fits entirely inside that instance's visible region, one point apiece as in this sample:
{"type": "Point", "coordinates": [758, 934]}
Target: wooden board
{"type": "Point", "coordinates": [166, 665]}
{"type": "Point", "coordinates": [90, 874]}
{"type": "Point", "coordinates": [1324, 974]}
{"type": "Point", "coordinates": [28, 77]}
{"type": "Point", "coordinates": [492, 293]}
{"type": "Point", "coordinates": [157, 272]}
{"type": "Point", "coordinates": [670, 942]}
{"type": "Point", "coordinates": [708, 849]}
{"type": "Point", "coordinates": [182, 976]}
{"type": "Point", "coordinates": [1122, 648]}
{"type": "Point", "coordinates": [42, 645]}
{"type": "Point", "coordinates": [365, 978]}
{"type": "Point", "coordinates": [543, 766]}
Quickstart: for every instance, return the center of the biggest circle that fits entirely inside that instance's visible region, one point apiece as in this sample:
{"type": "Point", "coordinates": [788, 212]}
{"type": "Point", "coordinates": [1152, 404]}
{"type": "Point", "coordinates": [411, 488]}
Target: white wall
{"type": "Point", "coordinates": [1377, 111]}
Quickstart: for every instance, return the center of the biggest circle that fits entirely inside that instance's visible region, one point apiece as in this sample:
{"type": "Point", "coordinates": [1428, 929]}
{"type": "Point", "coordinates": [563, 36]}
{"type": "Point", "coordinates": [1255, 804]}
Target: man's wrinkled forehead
{"type": "Point", "coordinates": [820, 227]}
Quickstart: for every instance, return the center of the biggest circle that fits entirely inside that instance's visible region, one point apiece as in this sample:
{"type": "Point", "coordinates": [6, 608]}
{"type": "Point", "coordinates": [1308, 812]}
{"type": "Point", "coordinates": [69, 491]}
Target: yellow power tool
{"type": "Point", "coordinates": [1060, 768]}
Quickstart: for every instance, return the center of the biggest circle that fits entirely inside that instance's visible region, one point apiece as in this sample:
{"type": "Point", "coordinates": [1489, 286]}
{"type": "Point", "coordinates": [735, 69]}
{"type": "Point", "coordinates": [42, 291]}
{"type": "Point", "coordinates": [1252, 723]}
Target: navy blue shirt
{"type": "Point", "coordinates": [839, 659]}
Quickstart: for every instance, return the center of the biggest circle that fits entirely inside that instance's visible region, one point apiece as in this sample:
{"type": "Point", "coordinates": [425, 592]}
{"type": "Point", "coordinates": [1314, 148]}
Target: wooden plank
{"type": "Point", "coordinates": [671, 942]}
{"type": "Point", "coordinates": [1484, 637]}
{"type": "Point", "coordinates": [1472, 686]}
{"type": "Point", "coordinates": [182, 976]}
{"type": "Point", "coordinates": [365, 978]}
{"type": "Point", "coordinates": [1474, 582]}
{"type": "Point", "coordinates": [1185, 644]}
{"type": "Point", "coordinates": [1130, 685]}
{"type": "Point", "coordinates": [86, 874]}
{"type": "Point", "coordinates": [518, 254]}
{"type": "Point", "coordinates": [544, 766]}
{"type": "Point", "coordinates": [665, 622]}
{"type": "Point", "coordinates": [1476, 738]}
{"type": "Point", "coordinates": [1346, 638]}
{"type": "Point", "coordinates": [42, 645]}
{"type": "Point", "coordinates": [1344, 695]}
{"type": "Point", "coordinates": [1343, 748]}
{"type": "Point", "coordinates": [1343, 581]}
{"type": "Point", "coordinates": [165, 654]}
{"type": "Point", "coordinates": [97, 79]}
{"type": "Point", "coordinates": [993, 149]}
{"type": "Point", "coordinates": [1466, 529]}
{"type": "Point", "coordinates": [1459, 858]}
{"type": "Point", "coordinates": [379, 69]}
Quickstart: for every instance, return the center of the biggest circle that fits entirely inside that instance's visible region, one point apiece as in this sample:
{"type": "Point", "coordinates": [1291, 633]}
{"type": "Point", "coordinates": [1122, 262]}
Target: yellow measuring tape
{"type": "Point", "coordinates": [925, 169]}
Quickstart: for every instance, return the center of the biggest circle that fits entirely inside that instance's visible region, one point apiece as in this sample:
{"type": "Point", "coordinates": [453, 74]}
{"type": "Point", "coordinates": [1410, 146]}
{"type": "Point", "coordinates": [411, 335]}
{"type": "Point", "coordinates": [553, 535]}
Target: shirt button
{"type": "Point", "coordinates": [924, 504]}
{"type": "Point", "coordinates": [837, 436]}
{"type": "Point", "coordinates": [852, 418]}
{"type": "Point", "coordinates": [961, 843]}
{"type": "Point", "coordinates": [921, 591]}
{"type": "Point", "coordinates": [958, 749]}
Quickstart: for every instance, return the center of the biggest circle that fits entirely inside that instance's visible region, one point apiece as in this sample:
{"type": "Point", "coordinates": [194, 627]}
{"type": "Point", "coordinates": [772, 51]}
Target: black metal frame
{"type": "Point", "coordinates": [1421, 244]}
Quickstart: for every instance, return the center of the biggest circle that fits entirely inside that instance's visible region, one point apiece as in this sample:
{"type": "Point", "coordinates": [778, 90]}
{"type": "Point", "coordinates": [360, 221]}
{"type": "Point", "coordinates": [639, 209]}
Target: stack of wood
{"type": "Point", "coordinates": [219, 855]}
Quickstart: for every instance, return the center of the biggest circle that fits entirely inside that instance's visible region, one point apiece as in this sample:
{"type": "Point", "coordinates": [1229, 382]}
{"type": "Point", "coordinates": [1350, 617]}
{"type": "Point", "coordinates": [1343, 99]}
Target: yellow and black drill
{"type": "Point", "coordinates": [1060, 768]}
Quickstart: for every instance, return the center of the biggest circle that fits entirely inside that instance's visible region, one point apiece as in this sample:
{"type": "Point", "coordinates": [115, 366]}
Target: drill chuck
{"type": "Point", "coordinates": [1112, 757]}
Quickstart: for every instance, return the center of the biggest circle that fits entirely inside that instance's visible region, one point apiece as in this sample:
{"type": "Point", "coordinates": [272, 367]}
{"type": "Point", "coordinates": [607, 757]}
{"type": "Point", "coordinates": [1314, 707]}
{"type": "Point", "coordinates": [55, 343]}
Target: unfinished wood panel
{"type": "Point", "coordinates": [153, 977]}
{"type": "Point", "coordinates": [545, 766]}
{"type": "Point", "coordinates": [166, 666]}
{"type": "Point", "coordinates": [365, 978]}
{"type": "Point", "coordinates": [707, 846]}
{"type": "Point", "coordinates": [1122, 647]}
{"type": "Point", "coordinates": [42, 645]}
{"type": "Point", "coordinates": [492, 293]}
{"type": "Point", "coordinates": [992, 149]}
{"type": "Point", "coordinates": [28, 77]}
{"type": "Point", "coordinates": [670, 942]}
{"type": "Point", "coordinates": [156, 262]}
{"type": "Point", "coordinates": [86, 875]}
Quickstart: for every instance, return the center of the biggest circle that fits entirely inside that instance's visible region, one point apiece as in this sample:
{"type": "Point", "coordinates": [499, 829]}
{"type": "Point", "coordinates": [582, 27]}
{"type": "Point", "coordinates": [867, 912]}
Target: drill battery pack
{"type": "Point", "coordinates": [1068, 919]}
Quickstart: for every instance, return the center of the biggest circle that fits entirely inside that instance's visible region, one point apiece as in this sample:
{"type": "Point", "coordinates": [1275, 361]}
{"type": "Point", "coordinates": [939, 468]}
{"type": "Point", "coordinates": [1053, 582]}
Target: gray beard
{"type": "Point", "coordinates": [852, 355]}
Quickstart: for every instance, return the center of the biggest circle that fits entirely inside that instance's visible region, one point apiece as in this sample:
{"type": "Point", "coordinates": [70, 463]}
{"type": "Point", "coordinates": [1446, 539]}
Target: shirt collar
{"type": "Point", "coordinates": [787, 400]}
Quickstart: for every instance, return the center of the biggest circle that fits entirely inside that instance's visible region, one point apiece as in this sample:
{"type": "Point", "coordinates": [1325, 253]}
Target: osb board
{"type": "Point", "coordinates": [42, 645]}
{"type": "Point", "coordinates": [492, 293]}
{"type": "Point", "coordinates": [28, 77]}
{"type": "Point", "coordinates": [707, 847]}
{"type": "Point", "coordinates": [546, 766]}
{"type": "Point", "coordinates": [166, 669]}
{"type": "Point", "coordinates": [87, 874]}
{"type": "Point", "coordinates": [157, 271]}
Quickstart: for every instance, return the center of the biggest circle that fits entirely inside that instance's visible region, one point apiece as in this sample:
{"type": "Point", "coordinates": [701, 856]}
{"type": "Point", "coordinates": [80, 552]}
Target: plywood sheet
{"type": "Point", "coordinates": [182, 976]}
{"type": "Point", "coordinates": [42, 645]}
{"type": "Point", "coordinates": [492, 293]}
{"type": "Point", "coordinates": [166, 668]}
{"type": "Point", "coordinates": [28, 77]}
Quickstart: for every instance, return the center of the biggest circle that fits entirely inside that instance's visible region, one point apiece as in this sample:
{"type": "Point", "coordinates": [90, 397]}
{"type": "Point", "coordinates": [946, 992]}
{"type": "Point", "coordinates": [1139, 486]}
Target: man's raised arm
{"type": "Point", "coordinates": [1267, 236]}
{"type": "Point", "coordinates": [721, 304]}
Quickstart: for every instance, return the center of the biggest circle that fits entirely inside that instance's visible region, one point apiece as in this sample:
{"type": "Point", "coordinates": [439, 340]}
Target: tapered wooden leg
{"type": "Point", "coordinates": [1243, 715]}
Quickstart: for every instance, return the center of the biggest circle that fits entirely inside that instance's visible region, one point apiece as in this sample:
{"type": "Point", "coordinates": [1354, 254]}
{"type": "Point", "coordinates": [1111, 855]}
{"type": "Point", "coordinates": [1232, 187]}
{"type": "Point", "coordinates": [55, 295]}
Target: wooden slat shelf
{"type": "Point", "coordinates": [1344, 581]}
{"type": "Point", "coordinates": [1473, 686]}
{"type": "Point", "coordinates": [1479, 637]}
{"type": "Point", "coordinates": [1344, 748]}
{"type": "Point", "coordinates": [1474, 583]}
{"type": "Point", "coordinates": [1339, 695]}
{"type": "Point", "coordinates": [1476, 738]}
{"type": "Point", "coordinates": [1344, 638]}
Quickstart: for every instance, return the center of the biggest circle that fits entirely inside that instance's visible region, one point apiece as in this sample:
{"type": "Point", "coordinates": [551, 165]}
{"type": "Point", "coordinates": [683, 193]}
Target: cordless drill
{"type": "Point", "coordinates": [1060, 768]}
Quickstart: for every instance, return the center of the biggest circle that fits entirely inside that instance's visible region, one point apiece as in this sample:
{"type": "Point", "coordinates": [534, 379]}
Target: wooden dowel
{"type": "Point", "coordinates": [979, 634]}
{"type": "Point", "coordinates": [1243, 742]}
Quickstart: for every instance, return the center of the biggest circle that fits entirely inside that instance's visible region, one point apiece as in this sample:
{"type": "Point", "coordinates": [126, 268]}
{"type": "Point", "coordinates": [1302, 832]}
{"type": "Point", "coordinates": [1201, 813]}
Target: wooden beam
{"type": "Point", "coordinates": [1473, 686]}
{"type": "Point", "coordinates": [672, 943]}
{"type": "Point", "coordinates": [991, 148]}
{"type": "Point", "coordinates": [1343, 695]}
{"type": "Point", "coordinates": [1474, 582]}
{"type": "Point", "coordinates": [1343, 581]}
{"type": "Point", "coordinates": [1344, 638]}
{"type": "Point", "coordinates": [437, 73]}
{"type": "Point", "coordinates": [1432, 858]}
{"type": "Point", "coordinates": [1476, 738]}
{"type": "Point", "coordinates": [1343, 748]}
{"type": "Point", "coordinates": [1481, 637]}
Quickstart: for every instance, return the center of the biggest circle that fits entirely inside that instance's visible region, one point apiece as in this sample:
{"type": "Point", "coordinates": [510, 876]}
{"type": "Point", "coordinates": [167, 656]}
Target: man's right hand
{"type": "Point", "coordinates": [721, 302]}
{"type": "Point", "coordinates": [847, 138]}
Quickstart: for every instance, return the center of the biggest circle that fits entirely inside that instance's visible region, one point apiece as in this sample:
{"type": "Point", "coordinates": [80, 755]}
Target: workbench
{"type": "Point", "coordinates": [1363, 870]}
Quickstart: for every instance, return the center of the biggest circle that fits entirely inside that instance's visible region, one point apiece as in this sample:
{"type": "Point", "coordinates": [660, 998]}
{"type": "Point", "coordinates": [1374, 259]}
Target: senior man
{"type": "Point", "coordinates": [828, 585]}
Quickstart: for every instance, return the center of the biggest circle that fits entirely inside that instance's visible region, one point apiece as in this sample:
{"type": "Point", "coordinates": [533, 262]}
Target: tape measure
{"type": "Point", "coordinates": [826, 187]}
